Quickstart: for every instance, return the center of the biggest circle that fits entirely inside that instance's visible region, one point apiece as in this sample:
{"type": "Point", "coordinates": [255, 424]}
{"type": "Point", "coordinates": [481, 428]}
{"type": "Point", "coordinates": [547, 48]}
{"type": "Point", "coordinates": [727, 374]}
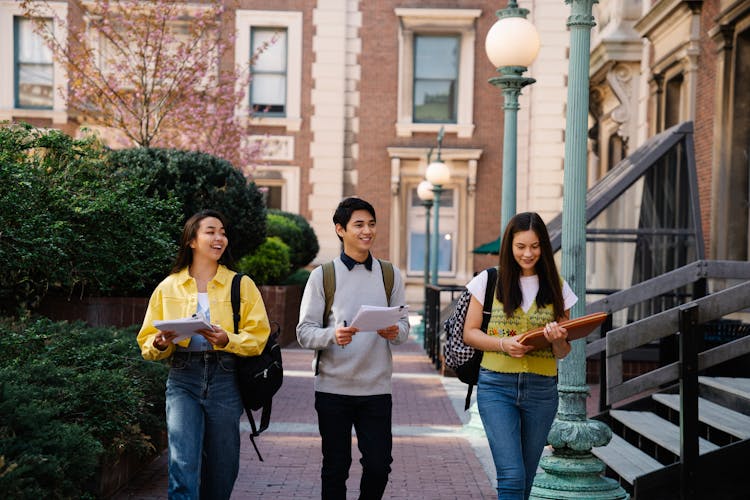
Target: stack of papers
{"type": "Point", "coordinates": [374, 318]}
{"type": "Point", "coordinates": [185, 327]}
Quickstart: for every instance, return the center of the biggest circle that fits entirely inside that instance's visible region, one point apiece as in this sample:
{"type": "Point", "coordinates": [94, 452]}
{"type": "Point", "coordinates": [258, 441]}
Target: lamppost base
{"type": "Point", "coordinates": [574, 475]}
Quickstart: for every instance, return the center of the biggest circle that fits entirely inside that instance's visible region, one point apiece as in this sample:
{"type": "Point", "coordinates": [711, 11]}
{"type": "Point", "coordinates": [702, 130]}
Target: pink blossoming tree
{"type": "Point", "coordinates": [157, 72]}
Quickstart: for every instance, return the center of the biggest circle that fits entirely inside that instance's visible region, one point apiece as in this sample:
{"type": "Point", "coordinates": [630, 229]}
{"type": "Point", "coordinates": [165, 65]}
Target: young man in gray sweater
{"type": "Point", "coordinates": [354, 368]}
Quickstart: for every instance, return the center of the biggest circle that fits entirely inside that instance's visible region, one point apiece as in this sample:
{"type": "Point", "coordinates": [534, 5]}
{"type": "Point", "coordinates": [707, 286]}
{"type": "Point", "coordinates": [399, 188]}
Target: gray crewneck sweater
{"type": "Point", "coordinates": [365, 366]}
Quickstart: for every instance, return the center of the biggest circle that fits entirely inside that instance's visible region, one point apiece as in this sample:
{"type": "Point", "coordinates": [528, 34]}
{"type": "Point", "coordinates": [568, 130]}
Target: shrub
{"type": "Point", "coordinates": [303, 248]}
{"type": "Point", "coordinates": [269, 265]}
{"type": "Point", "coordinates": [298, 277]}
{"type": "Point", "coordinates": [288, 232]}
{"type": "Point", "coordinates": [70, 226]}
{"type": "Point", "coordinates": [72, 398]}
{"type": "Point", "coordinates": [199, 181]}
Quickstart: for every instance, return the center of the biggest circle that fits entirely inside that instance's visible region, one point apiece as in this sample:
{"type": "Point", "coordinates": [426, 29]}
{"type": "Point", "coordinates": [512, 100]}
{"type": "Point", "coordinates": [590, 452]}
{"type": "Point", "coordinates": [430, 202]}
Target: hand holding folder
{"type": "Point", "coordinates": [577, 328]}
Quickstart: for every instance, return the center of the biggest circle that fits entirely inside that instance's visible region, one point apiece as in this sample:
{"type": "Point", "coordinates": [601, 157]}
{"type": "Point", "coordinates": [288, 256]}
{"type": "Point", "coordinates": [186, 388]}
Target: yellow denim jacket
{"type": "Point", "coordinates": [177, 297]}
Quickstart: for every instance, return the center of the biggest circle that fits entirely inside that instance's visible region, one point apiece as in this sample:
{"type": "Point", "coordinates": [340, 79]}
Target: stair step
{"type": "Point", "coordinates": [625, 459]}
{"type": "Point", "coordinates": [660, 431]}
{"type": "Point", "coordinates": [709, 413]}
{"type": "Point", "coordinates": [739, 387]}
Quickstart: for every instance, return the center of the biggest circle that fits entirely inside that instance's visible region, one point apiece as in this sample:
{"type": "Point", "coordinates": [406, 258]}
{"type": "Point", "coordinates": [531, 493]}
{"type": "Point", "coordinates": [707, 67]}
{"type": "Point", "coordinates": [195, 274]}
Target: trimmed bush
{"type": "Point", "coordinates": [269, 265]}
{"type": "Point", "coordinates": [288, 232]}
{"type": "Point", "coordinates": [199, 181]}
{"type": "Point", "coordinates": [72, 399]}
{"type": "Point", "coordinates": [303, 249]}
{"type": "Point", "coordinates": [69, 226]}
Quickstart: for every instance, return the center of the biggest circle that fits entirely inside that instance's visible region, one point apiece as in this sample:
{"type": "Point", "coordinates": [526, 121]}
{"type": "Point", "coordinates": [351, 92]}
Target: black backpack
{"type": "Point", "coordinates": [464, 359]}
{"type": "Point", "coordinates": [259, 377]}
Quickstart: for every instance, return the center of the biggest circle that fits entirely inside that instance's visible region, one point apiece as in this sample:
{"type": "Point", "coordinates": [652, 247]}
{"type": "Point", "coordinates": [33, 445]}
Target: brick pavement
{"type": "Point", "coordinates": [434, 457]}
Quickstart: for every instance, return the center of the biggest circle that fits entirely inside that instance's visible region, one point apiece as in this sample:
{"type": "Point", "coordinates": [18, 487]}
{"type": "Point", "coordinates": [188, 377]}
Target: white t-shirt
{"type": "Point", "coordinates": [529, 288]}
{"type": "Point", "coordinates": [199, 342]}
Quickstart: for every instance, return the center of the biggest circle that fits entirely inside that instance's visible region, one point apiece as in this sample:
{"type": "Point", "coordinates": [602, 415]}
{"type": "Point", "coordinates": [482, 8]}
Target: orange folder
{"type": "Point", "coordinates": [577, 328]}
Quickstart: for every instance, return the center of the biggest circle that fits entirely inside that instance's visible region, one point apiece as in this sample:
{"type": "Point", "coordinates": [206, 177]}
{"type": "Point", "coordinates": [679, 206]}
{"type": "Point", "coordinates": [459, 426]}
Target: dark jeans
{"type": "Point", "coordinates": [371, 418]}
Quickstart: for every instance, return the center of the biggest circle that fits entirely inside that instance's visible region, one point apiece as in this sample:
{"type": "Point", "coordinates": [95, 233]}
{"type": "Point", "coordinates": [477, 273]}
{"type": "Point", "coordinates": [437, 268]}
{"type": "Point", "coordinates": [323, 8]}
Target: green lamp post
{"type": "Point", "coordinates": [437, 174]}
{"type": "Point", "coordinates": [572, 471]}
{"type": "Point", "coordinates": [425, 194]}
{"type": "Point", "coordinates": [512, 44]}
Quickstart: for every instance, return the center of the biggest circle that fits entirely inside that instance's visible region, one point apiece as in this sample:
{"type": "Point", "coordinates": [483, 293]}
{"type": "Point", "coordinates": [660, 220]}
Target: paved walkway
{"type": "Point", "coordinates": [435, 456]}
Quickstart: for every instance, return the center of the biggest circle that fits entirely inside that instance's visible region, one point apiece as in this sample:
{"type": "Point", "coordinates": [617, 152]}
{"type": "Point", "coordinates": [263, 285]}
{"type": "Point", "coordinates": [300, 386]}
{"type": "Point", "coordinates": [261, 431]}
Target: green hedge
{"type": "Point", "coordinates": [70, 226]}
{"type": "Point", "coordinates": [199, 181]}
{"type": "Point", "coordinates": [71, 398]}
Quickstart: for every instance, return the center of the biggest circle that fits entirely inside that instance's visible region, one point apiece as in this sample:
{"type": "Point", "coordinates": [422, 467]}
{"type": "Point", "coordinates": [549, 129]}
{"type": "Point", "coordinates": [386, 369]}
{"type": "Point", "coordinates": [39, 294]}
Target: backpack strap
{"type": "Point", "coordinates": [236, 300]}
{"type": "Point", "coordinates": [329, 289]}
{"type": "Point", "coordinates": [386, 268]}
{"type": "Point", "coordinates": [489, 298]}
{"type": "Point", "coordinates": [266, 415]}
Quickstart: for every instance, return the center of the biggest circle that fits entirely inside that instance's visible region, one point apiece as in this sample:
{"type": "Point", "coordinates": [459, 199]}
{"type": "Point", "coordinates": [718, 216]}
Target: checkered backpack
{"type": "Point", "coordinates": [462, 358]}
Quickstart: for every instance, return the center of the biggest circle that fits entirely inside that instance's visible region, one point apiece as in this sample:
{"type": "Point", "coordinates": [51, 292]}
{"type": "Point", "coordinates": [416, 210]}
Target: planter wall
{"type": "Point", "coordinates": [96, 311]}
{"type": "Point", "coordinates": [282, 304]}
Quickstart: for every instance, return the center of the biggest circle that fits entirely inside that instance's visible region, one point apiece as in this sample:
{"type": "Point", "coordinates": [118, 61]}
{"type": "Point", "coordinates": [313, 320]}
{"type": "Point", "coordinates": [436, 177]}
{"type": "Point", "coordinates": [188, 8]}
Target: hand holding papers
{"type": "Point", "coordinates": [185, 327]}
{"type": "Point", "coordinates": [374, 318]}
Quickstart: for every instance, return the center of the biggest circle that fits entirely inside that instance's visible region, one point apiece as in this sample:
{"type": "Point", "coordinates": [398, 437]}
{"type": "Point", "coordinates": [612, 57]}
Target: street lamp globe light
{"type": "Point", "coordinates": [437, 173]}
{"type": "Point", "coordinates": [424, 191]}
{"type": "Point", "coordinates": [511, 44]}
{"type": "Point", "coordinates": [512, 41]}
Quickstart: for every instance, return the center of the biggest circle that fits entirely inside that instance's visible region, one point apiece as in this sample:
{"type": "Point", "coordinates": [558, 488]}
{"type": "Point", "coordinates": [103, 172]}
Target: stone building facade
{"type": "Point", "coordinates": [359, 90]}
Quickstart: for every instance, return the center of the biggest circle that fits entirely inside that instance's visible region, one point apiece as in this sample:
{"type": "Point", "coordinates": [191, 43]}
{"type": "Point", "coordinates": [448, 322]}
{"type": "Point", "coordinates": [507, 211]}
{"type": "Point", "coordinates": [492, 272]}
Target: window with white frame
{"type": "Point", "coordinates": [34, 72]}
{"type": "Point", "coordinates": [436, 70]}
{"type": "Point", "coordinates": [34, 86]}
{"type": "Point", "coordinates": [269, 70]}
{"type": "Point", "coordinates": [275, 91]}
{"type": "Point", "coordinates": [435, 78]}
{"type": "Point", "coordinates": [417, 241]}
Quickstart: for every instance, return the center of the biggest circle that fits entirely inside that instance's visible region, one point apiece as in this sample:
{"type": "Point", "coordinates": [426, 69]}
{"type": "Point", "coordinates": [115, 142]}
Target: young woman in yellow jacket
{"type": "Point", "coordinates": [203, 400]}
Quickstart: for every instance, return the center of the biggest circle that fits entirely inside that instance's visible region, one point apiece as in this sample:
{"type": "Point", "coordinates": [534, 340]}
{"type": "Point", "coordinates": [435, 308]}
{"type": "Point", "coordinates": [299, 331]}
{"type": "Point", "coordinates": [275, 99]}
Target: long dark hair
{"type": "Point", "coordinates": [189, 232]}
{"type": "Point", "coordinates": [509, 289]}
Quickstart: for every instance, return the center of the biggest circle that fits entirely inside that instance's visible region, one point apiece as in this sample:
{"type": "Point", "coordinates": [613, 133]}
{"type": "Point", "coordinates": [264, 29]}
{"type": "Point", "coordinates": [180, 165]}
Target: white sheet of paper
{"type": "Point", "coordinates": [185, 327]}
{"type": "Point", "coordinates": [374, 318]}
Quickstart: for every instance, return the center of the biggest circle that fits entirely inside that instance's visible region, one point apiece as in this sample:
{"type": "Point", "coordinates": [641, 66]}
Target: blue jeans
{"type": "Point", "coordinates": [371, 418]}
{"type": "Point", "coordinates": [517, 411]}
{"type": "Point", "coordinates": [203, 424]}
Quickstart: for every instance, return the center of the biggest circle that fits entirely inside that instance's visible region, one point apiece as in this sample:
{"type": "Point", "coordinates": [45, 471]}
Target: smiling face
{"type": "Point", "coordinates": [526, 251]}
{"type": "Point", "coordinates": [358, 235]}
{"type": "Point", "coordinates": [210, 240]}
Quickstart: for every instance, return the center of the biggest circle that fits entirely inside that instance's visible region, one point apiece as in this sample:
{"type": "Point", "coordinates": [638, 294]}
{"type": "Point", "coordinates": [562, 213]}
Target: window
{"type": "Point", "coordinates": [417, 243]}
{"type": "Point", "coordinates": [280, 186]}
{"type": "Point", "coordinates": [435, 78]}
{"type": "Point", "coordinates": [268, 85]}
{"type": "Point", "coordinates": [436, 71]}
{"type": "Point", "coordinates": [33, 67]}
{"type": "Point", "coordinates": [32, 85]}
{"type": "Point", "coordinates": [276, 87]}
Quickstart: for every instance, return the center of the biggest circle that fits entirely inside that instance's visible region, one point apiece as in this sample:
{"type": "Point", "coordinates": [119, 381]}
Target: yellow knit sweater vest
{"type": "Point", "coordinates": [539, 361]}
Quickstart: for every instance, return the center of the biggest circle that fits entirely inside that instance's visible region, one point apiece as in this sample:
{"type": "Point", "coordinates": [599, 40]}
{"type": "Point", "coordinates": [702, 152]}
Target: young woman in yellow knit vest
{"type": "Point", "coordinates": [517, 389]}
